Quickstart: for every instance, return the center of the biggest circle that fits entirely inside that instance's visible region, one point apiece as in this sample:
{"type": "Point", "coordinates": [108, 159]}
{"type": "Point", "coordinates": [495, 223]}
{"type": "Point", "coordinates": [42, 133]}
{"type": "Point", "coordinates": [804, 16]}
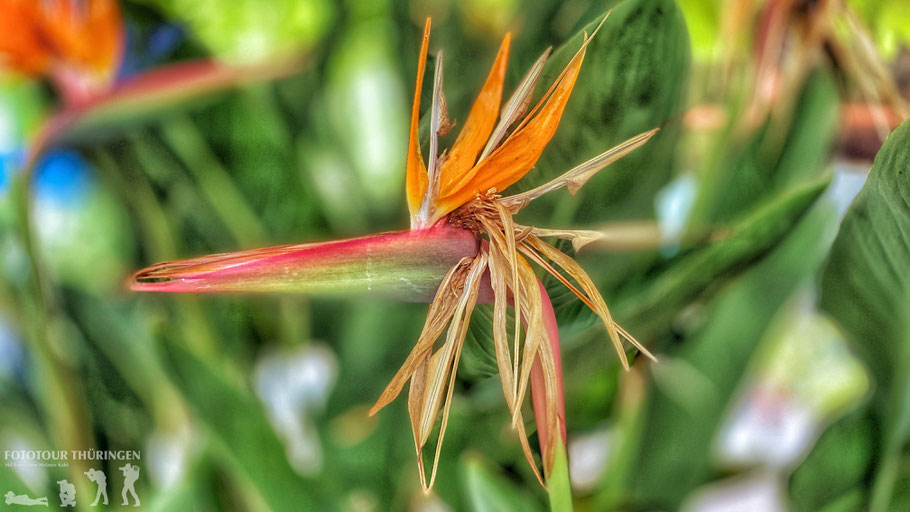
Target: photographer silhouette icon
{"type": "Point", "coordinates": [98, 477]}
{"type": "Point", "coordinates": [130, 475]}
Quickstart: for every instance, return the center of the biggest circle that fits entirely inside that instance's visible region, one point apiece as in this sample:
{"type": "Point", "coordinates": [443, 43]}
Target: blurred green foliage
{"type": "Point", "coordinates": [320, 155]}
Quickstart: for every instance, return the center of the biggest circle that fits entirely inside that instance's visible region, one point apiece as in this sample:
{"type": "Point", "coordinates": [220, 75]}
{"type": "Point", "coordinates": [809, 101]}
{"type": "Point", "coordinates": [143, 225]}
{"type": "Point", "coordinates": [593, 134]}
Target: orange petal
{"type": "Point", "coordinates": [38, 36]}
{"type": "Point", "coordinates": [518, 154]}
{"type": "Point", "coordinates": [105, 22]}
{"type": "Point", "coordinates": [89, 38]}
{"type": "Point", "coordinates": [21, 44]}
{"type": "Point", "coordinates": [416, 170]}
{"type": "Point", "coordinates": [477, 128]}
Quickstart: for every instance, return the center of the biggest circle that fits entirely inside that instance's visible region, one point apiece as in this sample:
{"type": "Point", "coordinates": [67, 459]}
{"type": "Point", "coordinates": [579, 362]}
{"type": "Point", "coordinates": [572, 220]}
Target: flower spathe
{"type": "Point", "coordinates": [460, 190]}
{"type": "Point", "coordinates": [404, 265]}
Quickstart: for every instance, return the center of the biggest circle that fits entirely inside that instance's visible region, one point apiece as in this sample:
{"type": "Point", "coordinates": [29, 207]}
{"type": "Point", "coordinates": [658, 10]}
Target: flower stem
{"type": "Point", "coordinates": [558, 484]}
{"type": "Point", "coordinates": [58, 387]}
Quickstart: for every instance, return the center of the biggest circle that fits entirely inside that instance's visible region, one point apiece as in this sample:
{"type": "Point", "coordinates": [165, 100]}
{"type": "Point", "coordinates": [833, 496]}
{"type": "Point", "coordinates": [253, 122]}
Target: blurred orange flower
{"type": "Point", "coordinates": [78, 44]}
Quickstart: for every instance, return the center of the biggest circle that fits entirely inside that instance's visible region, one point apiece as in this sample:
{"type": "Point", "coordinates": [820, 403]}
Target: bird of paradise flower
{"type": "Point", "coordinates": [79, 46]}
{"type": "Point", "coordinates": [464, 247]}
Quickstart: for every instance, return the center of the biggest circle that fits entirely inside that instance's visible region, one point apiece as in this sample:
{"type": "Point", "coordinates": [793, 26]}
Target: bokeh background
{"type": "Point", "coordinates": [782, 382]}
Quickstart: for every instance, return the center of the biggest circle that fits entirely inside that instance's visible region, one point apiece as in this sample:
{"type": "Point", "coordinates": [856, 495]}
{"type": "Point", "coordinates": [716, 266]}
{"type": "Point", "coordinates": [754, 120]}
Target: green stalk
{"type": "Point", "coordinates": [214, 181]}
{"type": "Point", "coordinates": [60, 393]}
{"type": "Point", "coordinates": [558, 485]}
{"type": "Point", "coordinates": [628, 432]}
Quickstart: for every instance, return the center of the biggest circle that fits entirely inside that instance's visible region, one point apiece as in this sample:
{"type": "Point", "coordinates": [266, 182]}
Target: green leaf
{"type": "Point", "coordinates": [789, 148]}
{"type": "Point", "coordinates": [814, 128]}
{"type": "Point", "coordinates": [683, 279]}
{"type": "Point", "coordinates": [238, 423]}
{"type": "Point", "coordinates": [838, 462]}
{"type": "Point", "coordinates": [634, 78]}
{"type": "Point", "coordinates": [488, 491]}
{"type": "Point", "coordinates": [16, 424]}
{"type": "Point", "coordinates": [672, 461]}
{"type": "Point", "coordinates": [478, 359]}
{"type": "Point", "coordinates": [703, 17]}
{"type": "Point", "coordinates": [241, 30]}
{"type": "Point", "coordinates": [866, 287]}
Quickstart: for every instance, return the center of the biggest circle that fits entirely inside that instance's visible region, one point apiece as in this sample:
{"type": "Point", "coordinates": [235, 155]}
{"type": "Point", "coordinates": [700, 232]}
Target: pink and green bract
{"type": "Point", "coordinates": [464, 248]}
{"type": "Point", "coordinates": [404, 265]}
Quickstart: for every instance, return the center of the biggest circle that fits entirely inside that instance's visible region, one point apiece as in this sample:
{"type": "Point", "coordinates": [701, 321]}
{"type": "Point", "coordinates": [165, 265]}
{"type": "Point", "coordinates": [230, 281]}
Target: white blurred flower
{"type": "Point", "coordinates": [368, 109]}
{"type": "Point", "coordinates": [31, 474]}
{"type": "Point", "coordinates": [674, 205]}
{"type": "Point", "coordinates": [767, 427]}
{"type": "Point", "coordinates": [760, 492]}
{"type": "Point", "coordinates": [12, 354]}
{"type": "Point", "coordinates": [588, 454]}
{"type": "Point", "coordinates": [168, 453]}
{"type": "Point", "coordinates": [849, 179]}
{"type": "Point", "coordinates": [294, 384]}
{"type": "Point", "coordinates": [802, 378]}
